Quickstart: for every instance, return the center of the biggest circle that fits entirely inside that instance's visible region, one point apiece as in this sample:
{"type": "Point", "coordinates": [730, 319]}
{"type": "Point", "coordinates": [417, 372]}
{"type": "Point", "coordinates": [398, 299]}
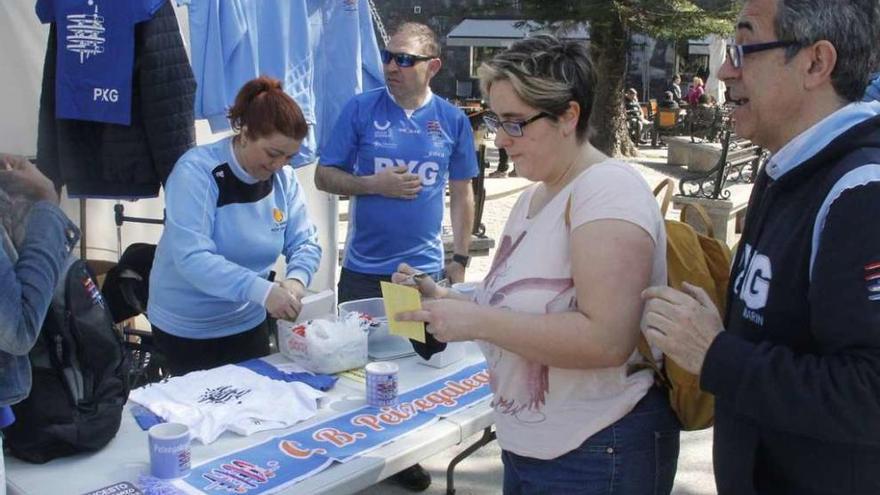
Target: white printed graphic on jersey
{"type": "Point", "coordinates": [427, 171]}
{"type": "Point", "coordinates": [85, 34]}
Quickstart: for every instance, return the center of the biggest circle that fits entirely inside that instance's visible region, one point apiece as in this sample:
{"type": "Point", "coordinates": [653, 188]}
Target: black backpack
{"type": "Point", "coordinates": [80, 375]}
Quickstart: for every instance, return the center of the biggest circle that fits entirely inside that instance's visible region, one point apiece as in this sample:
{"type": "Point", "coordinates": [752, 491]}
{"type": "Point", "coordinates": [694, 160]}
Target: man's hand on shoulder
{"type": "Point", "coordinates": [396, 182]}
{"type": "Point", "coordinates": [683, 324]}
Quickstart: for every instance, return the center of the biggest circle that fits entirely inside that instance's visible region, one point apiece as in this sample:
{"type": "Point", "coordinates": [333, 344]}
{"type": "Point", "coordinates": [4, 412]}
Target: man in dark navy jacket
{"type": "Point", "coordinates": [795, 362]}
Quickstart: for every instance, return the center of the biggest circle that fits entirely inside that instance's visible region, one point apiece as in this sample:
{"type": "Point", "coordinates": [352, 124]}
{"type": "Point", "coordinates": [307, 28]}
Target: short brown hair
{"type": "Point", "coordinates": [423, 34]}
{"type": "Point", "coordinates": [546, 73]}
{"type": "Point", "coordinates": [263, 108]}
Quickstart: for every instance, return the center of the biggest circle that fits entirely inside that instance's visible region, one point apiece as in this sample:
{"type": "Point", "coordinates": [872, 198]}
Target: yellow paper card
{"type": "Point", "coordinates": [397, 299]}
{"type": "Point", "coordinates": [356, 374]}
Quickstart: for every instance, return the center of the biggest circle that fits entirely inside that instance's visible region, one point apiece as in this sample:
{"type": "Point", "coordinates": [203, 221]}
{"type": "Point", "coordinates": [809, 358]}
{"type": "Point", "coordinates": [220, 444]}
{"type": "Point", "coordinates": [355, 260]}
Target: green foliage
{"type": "Point", "coordinates": [662, 19]}
{"type": "Point", "coordinates": [611, 22]}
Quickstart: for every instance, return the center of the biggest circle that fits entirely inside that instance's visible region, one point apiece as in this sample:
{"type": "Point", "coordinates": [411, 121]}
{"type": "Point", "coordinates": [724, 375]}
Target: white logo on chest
{"type": "Point", "coordinates": [752, 284]}
{"type": "Point", "coordinates": [427, 171]}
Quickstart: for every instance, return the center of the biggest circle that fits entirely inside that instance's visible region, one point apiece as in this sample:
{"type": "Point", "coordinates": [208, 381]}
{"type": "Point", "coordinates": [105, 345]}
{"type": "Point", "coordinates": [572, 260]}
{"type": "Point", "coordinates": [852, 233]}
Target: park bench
{"type": "Point", "coordinates": [739, 162]}
{"type": "Point", "coordinates": [704, 123]}
{"type": "Point", "coordinates": [725, 189]}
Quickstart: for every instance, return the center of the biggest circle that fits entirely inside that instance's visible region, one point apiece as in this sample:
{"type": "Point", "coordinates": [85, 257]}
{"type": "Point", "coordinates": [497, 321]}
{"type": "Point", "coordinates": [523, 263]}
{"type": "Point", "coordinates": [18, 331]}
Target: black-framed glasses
{"type": "Point", "coordinates": [402, 59]}
{"type": "Point", "coordinates": [735, 53]}
{"type": "Point", "coordinates": [513, 128]}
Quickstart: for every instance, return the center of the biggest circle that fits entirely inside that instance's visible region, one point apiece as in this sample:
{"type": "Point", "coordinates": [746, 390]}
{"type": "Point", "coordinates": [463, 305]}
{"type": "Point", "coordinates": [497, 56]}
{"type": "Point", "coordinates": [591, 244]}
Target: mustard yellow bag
{"type": "Point", "coordinates": [703, 261]}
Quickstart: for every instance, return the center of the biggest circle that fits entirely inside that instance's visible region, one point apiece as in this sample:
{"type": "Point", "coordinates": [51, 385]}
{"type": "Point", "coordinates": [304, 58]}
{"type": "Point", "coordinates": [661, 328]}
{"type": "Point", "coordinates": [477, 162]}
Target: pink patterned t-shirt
{"type": "Point", "coordinates": [542, 411]}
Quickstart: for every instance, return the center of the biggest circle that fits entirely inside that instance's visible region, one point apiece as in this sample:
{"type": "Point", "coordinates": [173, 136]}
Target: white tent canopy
{"type": "Point", "coordinates": [717, 54]}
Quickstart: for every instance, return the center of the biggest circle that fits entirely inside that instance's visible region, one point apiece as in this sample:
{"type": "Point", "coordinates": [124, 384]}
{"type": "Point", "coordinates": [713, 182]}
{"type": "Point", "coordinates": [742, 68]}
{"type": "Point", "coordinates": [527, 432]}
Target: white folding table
{"type": "Point", "coordinates": [127, 456]}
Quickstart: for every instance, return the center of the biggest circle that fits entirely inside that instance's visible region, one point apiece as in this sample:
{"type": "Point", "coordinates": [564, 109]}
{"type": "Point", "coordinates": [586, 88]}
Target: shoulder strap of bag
{"type": "Point", "coordinates": [701, 213]}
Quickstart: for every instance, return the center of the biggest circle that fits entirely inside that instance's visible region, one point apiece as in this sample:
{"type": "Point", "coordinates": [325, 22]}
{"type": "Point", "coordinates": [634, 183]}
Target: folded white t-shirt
{"type": "Point", "coordinates": [228, 398]}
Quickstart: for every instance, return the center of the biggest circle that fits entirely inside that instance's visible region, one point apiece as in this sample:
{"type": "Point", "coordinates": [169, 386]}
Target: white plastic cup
{"type": "Point", "coordinates": [382, 383]}
{"type": "Point", "coordinates": [170, 453]}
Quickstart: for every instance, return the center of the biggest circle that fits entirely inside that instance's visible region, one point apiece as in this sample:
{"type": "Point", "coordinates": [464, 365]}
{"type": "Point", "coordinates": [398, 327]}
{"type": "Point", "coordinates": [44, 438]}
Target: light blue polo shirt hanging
{"type": "Point", "coordinates": [95, 55]}
{"type": "Point", "coordinates": [323, 51]}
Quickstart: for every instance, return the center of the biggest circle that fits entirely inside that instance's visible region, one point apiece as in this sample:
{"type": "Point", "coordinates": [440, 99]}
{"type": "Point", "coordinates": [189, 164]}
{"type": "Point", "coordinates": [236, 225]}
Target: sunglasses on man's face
{"type": "Point", "coordinates": [402, 59]}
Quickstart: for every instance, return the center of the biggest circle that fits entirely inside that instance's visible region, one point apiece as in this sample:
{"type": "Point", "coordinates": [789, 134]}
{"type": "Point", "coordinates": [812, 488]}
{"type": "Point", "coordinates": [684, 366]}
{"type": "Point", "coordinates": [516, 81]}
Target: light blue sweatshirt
{"type": "Point", "coordinates": [223, 232]}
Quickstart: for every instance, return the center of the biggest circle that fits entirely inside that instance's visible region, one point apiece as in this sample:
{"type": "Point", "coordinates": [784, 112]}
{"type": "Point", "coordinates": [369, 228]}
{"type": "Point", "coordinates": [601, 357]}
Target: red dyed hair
{"type": "Point", "coordinates": [262, 108]}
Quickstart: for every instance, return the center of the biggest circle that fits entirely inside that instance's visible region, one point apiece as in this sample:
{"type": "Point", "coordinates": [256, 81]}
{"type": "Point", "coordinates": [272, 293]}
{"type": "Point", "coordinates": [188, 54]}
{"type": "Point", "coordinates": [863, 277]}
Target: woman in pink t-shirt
{"type": "Point", "coordinates": [557, 316]}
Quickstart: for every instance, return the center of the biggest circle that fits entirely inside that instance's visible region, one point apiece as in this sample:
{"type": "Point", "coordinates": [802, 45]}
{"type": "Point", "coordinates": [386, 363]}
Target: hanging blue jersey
{"type": "Point", "coordinates": [324, 52]}
{"type": "Point", "coordinates": [282, 39]}
{"type": "Point", "coordinates": [234, 41]}
{"type": "Point", "coordinates": [436, 142]}
{"type": "Point", "coordinates": [95, 55]}
{"type": "Point", "coordinates": [344, 38]}
{"type": "Point", "coordinates": [222, 54]}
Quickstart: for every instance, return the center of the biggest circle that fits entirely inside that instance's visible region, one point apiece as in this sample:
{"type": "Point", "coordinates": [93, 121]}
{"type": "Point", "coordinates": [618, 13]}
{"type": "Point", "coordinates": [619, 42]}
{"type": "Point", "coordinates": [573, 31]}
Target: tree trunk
{"type": "Point", "coordinates": [608, 44]}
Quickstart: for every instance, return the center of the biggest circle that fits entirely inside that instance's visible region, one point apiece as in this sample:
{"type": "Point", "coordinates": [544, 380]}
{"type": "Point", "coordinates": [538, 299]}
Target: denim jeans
{"type": "Point", "coordinates": [356, 285]}
{"type": "Point", "coordinates": [637, 455]}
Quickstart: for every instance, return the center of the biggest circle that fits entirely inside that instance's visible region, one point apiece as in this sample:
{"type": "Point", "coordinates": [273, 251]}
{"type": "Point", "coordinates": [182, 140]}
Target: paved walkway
{"type": "Point", "coordinates": [481, 474]}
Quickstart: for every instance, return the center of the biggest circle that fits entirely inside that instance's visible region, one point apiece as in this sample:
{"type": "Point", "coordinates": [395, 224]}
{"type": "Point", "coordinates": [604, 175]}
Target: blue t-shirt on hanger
{"type": "Point", "coordinates": [95, 55]}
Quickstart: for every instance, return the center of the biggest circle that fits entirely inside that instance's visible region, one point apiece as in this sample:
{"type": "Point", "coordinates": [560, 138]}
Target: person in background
{"type": "Point", "coordinates": [35, 241]}
{"type": "Point", "coordinates": [794, 363]}
{"type": "Point", "coordinates": [635, 119]}
{"type": "Point", "coordinates": [557, 316]}
{"type": "Point", "coordinates": [675, 88]}
{"type": "Point", "coordinates": [232, 207]}
{"type": "Point", "coordinates": [392, 152]}
{"type": "Point", "coordinates": [503, 165]}
{"type": "Point", "coordinates": [695, 92]}
{"type": "Point", "coordinates": [669, 102]}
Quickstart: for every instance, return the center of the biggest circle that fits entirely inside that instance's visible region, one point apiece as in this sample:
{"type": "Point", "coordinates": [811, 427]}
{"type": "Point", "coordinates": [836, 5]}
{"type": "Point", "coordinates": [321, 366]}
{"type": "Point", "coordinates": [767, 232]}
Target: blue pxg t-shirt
{"type": "Point", "coordinates": [436, 143]}
{"type": "Point", "coordinates": [95, 55]}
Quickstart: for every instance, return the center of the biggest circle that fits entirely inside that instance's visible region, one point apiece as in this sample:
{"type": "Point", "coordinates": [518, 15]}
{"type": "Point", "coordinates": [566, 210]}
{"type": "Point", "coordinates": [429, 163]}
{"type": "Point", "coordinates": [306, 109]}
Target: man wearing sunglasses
{"type": "Point", "coordinates": [794, 363]}
{"type": "Point", "coordinates": [392, 151]}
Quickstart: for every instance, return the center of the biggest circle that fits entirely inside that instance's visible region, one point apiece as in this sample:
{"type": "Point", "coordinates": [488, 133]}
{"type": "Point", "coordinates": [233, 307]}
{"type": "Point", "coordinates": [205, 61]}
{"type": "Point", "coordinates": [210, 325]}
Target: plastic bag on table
{"type": "Point", "coordinates": [325, 346]}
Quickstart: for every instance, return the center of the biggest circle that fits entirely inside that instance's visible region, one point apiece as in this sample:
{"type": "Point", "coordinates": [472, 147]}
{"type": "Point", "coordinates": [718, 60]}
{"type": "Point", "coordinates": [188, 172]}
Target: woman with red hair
{"type": "Point", "coordinates": [232, 207]}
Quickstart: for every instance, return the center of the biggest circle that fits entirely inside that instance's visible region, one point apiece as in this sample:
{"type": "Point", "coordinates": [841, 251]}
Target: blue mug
{"type": "Point", "coordinates": [169, 450]}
